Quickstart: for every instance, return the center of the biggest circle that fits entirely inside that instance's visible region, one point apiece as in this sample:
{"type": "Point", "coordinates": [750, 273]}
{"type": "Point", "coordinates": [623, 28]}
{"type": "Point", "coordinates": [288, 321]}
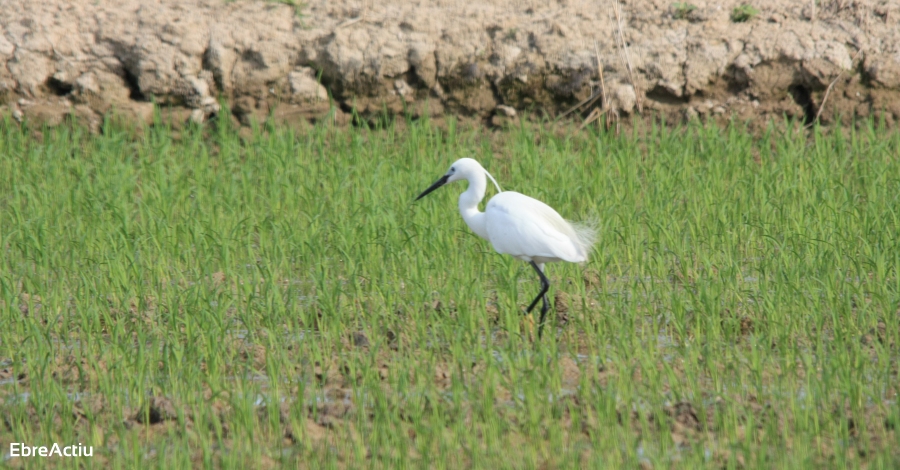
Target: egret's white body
{"type": "Point", "coordinates": [516, 224]}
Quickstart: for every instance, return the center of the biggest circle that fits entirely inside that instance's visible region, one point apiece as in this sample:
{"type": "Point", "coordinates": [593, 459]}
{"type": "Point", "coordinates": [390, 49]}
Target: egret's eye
{"type": "Point", "coordinates": [452, 169]}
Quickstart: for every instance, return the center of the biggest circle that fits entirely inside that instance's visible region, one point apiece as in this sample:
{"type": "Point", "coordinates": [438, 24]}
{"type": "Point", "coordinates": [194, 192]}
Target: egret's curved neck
{"type": "Point", "coordinates": [468, 204]}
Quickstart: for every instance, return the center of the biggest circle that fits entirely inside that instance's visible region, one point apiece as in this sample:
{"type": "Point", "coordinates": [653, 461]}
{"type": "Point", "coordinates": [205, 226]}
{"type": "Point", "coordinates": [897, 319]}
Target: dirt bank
{"type": "Point", "coordinates": [478, 59]}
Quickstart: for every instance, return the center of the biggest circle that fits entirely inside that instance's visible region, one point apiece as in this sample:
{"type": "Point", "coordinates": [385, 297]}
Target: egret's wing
{"type": "Point", "coordinates": [522, 226]}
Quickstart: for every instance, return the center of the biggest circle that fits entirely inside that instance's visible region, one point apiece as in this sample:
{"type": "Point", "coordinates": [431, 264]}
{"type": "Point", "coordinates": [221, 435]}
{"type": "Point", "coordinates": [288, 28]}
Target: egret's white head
{"type": "Point", "coordinates": [462, 169]}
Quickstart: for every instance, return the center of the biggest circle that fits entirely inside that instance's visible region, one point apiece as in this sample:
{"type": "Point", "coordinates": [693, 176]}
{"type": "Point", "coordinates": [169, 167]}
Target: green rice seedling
{"type": "Point", "coordinates": [681, 10]}
{"type": "Point", "coordinates": [197, 298]}
{"type": "Point", "coordinates": [743, 13]}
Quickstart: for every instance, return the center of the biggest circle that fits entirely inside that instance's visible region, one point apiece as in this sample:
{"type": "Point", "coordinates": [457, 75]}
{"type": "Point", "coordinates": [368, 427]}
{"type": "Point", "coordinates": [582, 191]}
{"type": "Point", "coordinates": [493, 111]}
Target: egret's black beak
{"type": "Point", "coordinates": [437, 184]}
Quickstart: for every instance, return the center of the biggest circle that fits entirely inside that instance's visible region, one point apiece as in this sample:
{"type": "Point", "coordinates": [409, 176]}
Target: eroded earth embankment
{"type": "Point", "coordinates": [485, 60]}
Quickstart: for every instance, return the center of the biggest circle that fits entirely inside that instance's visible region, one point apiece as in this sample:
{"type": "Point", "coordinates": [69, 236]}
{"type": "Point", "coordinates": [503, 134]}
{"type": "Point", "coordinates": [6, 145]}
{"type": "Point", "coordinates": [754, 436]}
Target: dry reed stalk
{"type": "Point", "coordinates": [600, 71]}
{"type": "Point", "coordinates": [830, 86]}
{"type": "Point", "coordinates": [595, 114]}
{"type": "Point", "coordinates": [627, 58]}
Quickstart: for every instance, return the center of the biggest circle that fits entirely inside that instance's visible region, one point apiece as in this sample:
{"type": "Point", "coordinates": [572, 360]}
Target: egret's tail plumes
{"type": "Point", "coordinates": [586, 232]}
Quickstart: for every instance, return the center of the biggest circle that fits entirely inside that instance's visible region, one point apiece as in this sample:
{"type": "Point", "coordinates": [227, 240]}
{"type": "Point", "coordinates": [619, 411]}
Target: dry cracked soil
{"type": "Point", "coordinates": [487, 60]}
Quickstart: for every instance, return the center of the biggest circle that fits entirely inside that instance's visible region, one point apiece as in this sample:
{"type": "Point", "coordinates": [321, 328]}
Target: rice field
{"type": "Point", "coordinates": [211, 298]}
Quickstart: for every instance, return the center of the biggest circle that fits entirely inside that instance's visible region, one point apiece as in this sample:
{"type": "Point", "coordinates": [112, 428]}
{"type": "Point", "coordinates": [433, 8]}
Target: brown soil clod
{"type": "Point", "coordinates": [329, 415]}
{"type": "Point", "coordinates": [156, 410]}
{"type": "Point", "coordinates": [746, 325]}
{"type": "Point", "coordinates": [685, 415]}
{"type": "Point", "coordinates": [591, 279]}
{"type": "Point", "coordinates": [561, 308]}
{"type": "Point", "coordinates": [359, 339]}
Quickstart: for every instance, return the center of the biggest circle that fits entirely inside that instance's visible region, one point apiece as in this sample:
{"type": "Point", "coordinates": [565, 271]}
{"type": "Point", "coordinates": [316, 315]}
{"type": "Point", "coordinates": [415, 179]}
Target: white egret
{"type": "Point", "coordinates": [518, 225]}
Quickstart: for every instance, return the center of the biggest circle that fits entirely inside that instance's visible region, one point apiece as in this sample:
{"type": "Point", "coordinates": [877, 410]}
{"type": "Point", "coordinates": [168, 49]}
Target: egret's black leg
{"type": "Point", "coordinates": [545, 307]}
{"type": "Point", "coordinates": [545, 285]}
